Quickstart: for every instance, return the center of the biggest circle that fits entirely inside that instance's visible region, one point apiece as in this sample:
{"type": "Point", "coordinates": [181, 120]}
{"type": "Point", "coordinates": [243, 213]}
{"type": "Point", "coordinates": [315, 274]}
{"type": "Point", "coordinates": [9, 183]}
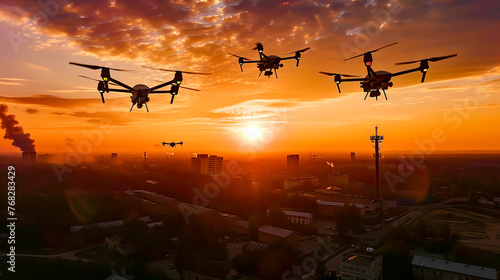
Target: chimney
{"type": "Point", "coordinates": [29, 157]}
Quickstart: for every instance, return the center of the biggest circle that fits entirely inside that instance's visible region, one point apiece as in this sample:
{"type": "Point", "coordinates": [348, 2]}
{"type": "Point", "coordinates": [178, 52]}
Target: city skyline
{"type": "Point", "coordinates": [236, 112]}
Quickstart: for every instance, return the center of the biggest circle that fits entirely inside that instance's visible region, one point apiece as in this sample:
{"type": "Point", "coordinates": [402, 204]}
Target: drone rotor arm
{"type": "Point", "coordinates": [160, 91]}
{"type": "Point", "coordinates": [405, 72]}
{"type": "Point", "coordinates": [120, 83]}
{"type": "Point", "coordinates": [162, 85]}
{"type": "Point", "coordinates": [119, 90]}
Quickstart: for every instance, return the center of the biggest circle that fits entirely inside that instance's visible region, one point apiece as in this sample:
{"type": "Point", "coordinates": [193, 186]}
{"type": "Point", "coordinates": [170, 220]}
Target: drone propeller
{"type": "Point", "coordinates": [96, 67]}
{"type": "Point", "coordinates": [297, 54]}
{"type": "Point", "coordinates": [433, 59]}
{"type": "Point", "coordinates": [190, 88]}
{"type": "Point", "coordinates": [334, 74]}
{"type": "Point", "coordinates": [244, 58]}
{"type": "Point", "coordinates": [338, 78]}
{"type": "Point", "coordinates": [299, 51]}
{"type": "Point", "coordinates": [372, 51]}
{"type": "Point", "coordinates": [185, 72]}
{"type": "Point", "coordinates": [258, 46]}
{"type": "Point", "coordinates": [81, 76]}
{"type": "Point", "coordinates": [424, 63]}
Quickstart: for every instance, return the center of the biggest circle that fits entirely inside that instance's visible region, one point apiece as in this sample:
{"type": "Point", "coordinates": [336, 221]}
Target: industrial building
{"type": "Point", "coordinates": [428, 268]}
{"type": "Point", "coordinates": [273, 236]}
{"type": "Point", "coordinates": [361, 266]}
{"type": "Point", "coordinates": [297, 217]}
{"type": "Point", "coordinates": [293, 184]}
{"type": "Point", "coordinates": [363, 204]}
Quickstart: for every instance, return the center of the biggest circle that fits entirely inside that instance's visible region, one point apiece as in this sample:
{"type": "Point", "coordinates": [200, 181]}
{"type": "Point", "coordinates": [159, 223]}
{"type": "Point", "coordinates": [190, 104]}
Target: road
{"type": "Point", "coordinates": [70, 255]}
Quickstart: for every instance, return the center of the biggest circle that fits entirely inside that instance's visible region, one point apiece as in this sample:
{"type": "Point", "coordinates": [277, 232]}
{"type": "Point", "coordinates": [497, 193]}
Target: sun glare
{"type": "Point", "coordinates": [253, 133]}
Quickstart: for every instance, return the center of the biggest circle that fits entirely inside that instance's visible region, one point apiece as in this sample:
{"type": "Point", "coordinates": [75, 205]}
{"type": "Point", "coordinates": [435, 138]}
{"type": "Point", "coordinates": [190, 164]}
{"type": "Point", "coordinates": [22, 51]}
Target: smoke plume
{"type": "Point", "coordinates": [15, 132]}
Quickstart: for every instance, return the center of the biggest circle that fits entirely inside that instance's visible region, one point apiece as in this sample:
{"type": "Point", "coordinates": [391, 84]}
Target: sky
{"type": "Point", "coordinates": [457, 108]}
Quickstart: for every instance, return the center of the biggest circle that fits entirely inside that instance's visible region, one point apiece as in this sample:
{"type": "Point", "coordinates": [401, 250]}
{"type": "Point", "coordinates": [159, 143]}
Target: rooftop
{"type": "Point", "coordinates": [241, 223]}
{"type": "Point", "coordinates": [210, 268]}
{"type": "Point", "coordinates": [283, 233]}
{"type": "Point", "coordinates": [358, 259]}
{"type": "Point", "coordinates": [465, 269]}
{"type": "Point", "coordinates": [254, 246]}
{"type": "Point", "coordinates": [297, 213]}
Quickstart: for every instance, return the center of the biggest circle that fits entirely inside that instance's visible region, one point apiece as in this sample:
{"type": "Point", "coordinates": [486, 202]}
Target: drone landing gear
{"type": "Point", "coordinates": [384, 94]}
{"type": "Point", "coordinates": [132, 107]}
{"type": "Point", "coordinates": [147, 109]}
{"type": "Point", "coordinates": [260, 73]}
{"type": "Point", "coordinates": [275, 73]}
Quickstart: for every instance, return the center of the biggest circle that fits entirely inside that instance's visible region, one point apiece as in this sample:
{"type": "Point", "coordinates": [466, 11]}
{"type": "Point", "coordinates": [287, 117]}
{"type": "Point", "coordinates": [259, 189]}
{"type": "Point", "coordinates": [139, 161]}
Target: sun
{"type": "Point", "coordinates": [253, 133]}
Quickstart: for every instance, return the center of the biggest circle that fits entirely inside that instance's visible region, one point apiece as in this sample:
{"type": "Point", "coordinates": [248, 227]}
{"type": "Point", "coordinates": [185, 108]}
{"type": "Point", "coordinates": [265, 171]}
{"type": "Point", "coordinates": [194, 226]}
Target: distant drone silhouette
{"type": "Point", "coordinates": [268, 61]}
{"type": "Point", "coordinates": [140, 93]}
{"type": "Point", "coordinates": [381, 80]}
{"type": "Point", "coordinates": [172, 144]}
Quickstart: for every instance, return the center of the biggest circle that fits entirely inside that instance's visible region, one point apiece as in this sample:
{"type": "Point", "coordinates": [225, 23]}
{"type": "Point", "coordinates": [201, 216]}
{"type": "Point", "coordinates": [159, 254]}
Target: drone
{"type": "Point", "coordinates": [172, 144]}
{"type": "Point", "coordinates": [140, 93]}
{"type": "Point", "coordinates": [381, 80]}
{"type": "Point", "coordinates": [268, 62]}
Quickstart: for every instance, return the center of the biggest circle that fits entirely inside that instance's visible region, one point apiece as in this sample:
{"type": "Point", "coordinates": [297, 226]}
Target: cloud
{"type": "Point", "coordinates": [259, 107]}
{"type": "Point", "coordinates": [31, 111]}
{"type": "Point", "coordinates": [37, 67]}
{"type": "Point", "coordinates": [204, 31]}
{"type": "Point", "coordinates": [49, 100]}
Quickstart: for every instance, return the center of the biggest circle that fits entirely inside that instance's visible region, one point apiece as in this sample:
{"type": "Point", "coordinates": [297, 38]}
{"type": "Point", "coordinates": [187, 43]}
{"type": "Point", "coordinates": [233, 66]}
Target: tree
{"type": "Point", "coordinates": [347, 218]}
{"type": "Point", "coordinates": [276, 216]}
{"type": "Point", "coordinates": [134, 229]}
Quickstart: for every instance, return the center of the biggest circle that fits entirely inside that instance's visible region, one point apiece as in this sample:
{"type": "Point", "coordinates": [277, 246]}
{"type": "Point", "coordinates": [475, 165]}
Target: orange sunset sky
{"type": "Point", "coordinates": [301, 111]}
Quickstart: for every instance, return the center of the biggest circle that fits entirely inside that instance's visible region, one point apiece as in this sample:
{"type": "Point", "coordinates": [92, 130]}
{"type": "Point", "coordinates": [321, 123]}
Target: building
{"type": "Point", "coordinates": [210, 165]}
{"type": "Point", "coordinates": [240, 227]}
{"type": "Point", "coordinates": [274, 235]}
{"type": "Point", "coordinates": [363, 204]}
{"type": "Point", "coordinates": [205, 269]}
{"type": "Point", "coordinates": [129, 249]}
{"type": "Point", "coordinates": [427, 268]}
{"type": "Point", "coordinates": [339, 180]}
{"type": "Point", "coordinates": [361, 266]}
{"type": "Point", "coordinates": [114, 156]}
{"type": "Point", "coordinates": [292, 163]}
{"type": "Point", "coordinates": [297, 217]}
{"type": "Point", "coordinates": [215, 167]}
{"type": "Point", "coordinates": [112, 242]}
{"type": "Point", "coordinates": [199, 164]}
{"type": "Point", "coordinates": [489, 200]}
{"type": "Point", "coordinates": [110, 224]}
{"type": "Point", "coordinates": [293, 184]}
{"type": "Point", "coordinates": [353, 156]}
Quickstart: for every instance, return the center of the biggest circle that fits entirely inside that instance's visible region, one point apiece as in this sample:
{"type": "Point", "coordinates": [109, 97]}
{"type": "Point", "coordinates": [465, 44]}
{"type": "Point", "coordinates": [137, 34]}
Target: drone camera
{"type": "Point", "coordinates": [100, 87]}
